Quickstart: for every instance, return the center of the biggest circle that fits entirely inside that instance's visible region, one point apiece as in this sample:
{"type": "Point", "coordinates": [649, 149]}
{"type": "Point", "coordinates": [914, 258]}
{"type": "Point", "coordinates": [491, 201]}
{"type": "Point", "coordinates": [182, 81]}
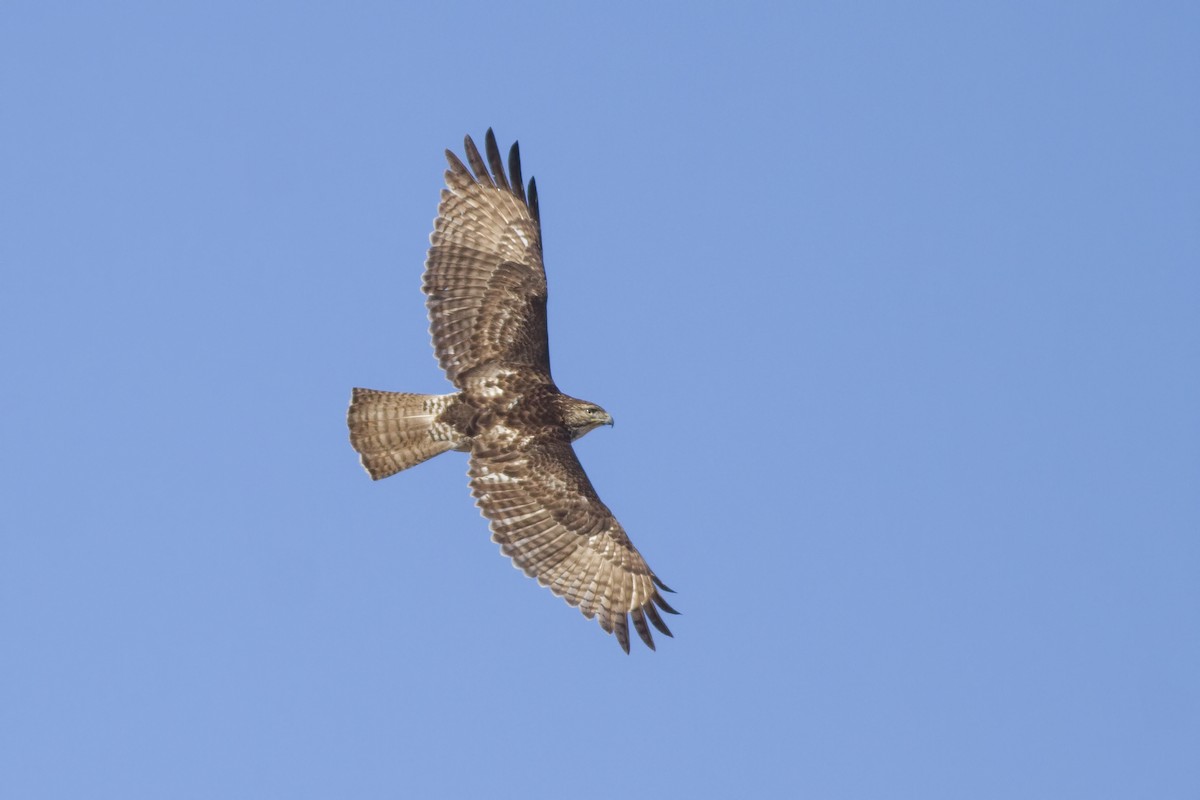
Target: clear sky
{"type": "Point", "coordinates": [897, 308]}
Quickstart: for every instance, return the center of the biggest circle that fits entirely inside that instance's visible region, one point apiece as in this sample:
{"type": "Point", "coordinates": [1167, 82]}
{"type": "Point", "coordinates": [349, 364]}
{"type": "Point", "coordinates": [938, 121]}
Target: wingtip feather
{"type": "Point", "coordinates": [533, 203]}
{"type": "Point", "coordinates": [476, 161]}
{"type": "Point", "coordinates": [514, 172]}
{"type": "Point", "coordinates": [494, 160]}
{"type": "Point", "coordinates": [643, 630]}
{"type": "Point", "coordinates": [457, 167]}
{"type": "Point", "coordinates": [621, 629]}
{"type": "Point", "coordinates": [656, 620]}
{"type": "Point", "coordinates": [663, 604]}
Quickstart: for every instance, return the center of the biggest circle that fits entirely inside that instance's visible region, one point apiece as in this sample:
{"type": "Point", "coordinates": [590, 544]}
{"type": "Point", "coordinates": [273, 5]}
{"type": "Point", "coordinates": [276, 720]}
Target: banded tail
{"type": "Point", "coordinates": [396, 430]}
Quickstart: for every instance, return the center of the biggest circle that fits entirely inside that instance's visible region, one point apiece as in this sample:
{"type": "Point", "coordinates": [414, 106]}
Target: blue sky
{"type": "Point", "coordinates": [896, 309]}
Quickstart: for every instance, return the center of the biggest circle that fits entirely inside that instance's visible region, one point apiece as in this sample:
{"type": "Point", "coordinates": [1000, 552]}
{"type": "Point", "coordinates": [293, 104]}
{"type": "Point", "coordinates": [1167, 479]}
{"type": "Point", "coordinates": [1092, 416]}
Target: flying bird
{"type": "Point", "coordinates": [485, 289]}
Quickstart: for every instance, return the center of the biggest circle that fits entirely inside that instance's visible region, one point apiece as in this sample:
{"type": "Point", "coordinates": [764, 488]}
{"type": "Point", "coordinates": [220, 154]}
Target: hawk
{"type": "Point", "coordinates": [485, 289]}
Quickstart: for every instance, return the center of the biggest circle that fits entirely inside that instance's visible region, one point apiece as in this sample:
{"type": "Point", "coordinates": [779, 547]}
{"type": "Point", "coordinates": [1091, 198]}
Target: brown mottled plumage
{"type": "Point", "coordinates": [486, 294]}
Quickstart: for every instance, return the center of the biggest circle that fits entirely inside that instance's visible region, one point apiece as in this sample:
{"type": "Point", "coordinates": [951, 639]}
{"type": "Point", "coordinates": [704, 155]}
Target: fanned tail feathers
{"type": "Point", "coordinates": [393, 431]}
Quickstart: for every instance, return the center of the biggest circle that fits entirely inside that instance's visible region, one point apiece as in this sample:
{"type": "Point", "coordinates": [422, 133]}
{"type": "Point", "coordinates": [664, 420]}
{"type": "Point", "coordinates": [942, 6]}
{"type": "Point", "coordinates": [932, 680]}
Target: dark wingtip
{"type": "Point", "coordinates": [494, 160]}
{"type": "Point", "coordinates": [661, 585]}
{"type": "Point", "coordinates": [476, 161]}
{"type": "Point", "coordinates": [621, 629]}
{"type": "Point", "coordinates": [514, 171]}
{"type": "Point", "coordinates": [656, 620]}
{"type": "Point", "coordinates": [663, 604]}
{"type": "Point", "coordinates": [533, 202]}
{"type": "Point", "coordinates": [643, 630]}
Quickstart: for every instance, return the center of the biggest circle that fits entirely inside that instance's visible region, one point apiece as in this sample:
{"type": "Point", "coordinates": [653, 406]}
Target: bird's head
{"type": "Point", "coordinates": [581, 416]}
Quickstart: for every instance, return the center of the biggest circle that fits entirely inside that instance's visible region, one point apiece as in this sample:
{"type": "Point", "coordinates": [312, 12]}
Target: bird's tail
{"type": "Point", "coordinates": [396, 430]}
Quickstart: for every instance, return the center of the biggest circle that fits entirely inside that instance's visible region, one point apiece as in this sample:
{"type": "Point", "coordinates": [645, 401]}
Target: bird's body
{"type": "Point", "coordinates": [486, 294]}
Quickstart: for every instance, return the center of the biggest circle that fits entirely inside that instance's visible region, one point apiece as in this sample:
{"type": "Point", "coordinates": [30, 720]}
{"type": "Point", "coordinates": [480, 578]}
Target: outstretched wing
{"type": "Point", "coordinates": [484, 278]}
{"type": "Point", "coordinates": [546, 516]}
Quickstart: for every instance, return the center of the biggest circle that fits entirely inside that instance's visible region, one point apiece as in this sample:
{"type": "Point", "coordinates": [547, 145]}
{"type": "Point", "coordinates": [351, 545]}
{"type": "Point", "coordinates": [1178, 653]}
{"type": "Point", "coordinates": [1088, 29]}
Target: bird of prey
{"type": "Point", "coordinates": [485, 289]}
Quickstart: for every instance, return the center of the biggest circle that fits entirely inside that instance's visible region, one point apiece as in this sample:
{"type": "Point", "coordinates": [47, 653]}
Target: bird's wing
{"type": "Point", "coordinates": [484, 280]}
{"type": "Point", "coordinates": [546, 516]}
